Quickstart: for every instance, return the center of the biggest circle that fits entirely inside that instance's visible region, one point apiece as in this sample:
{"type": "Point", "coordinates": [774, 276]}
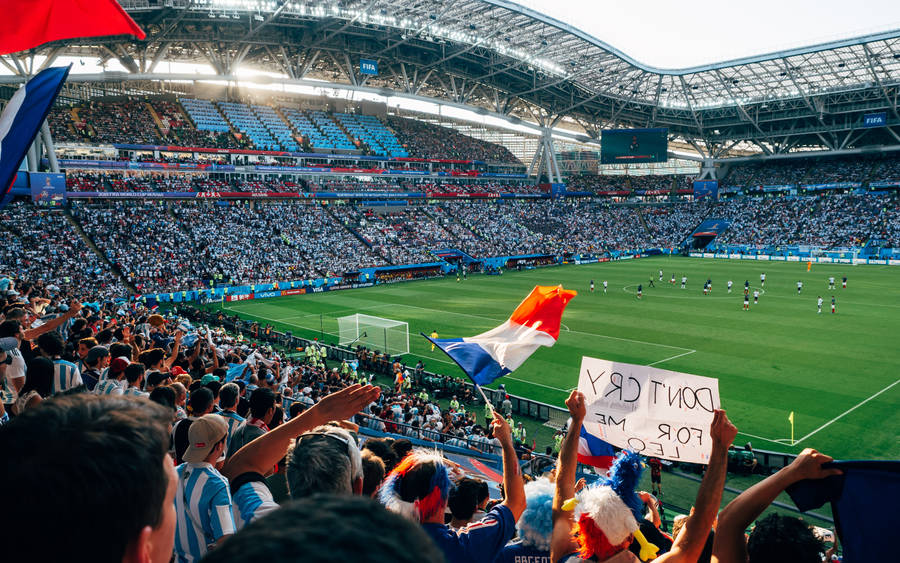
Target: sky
{"type": "Point", "coordinates": [671, 34]}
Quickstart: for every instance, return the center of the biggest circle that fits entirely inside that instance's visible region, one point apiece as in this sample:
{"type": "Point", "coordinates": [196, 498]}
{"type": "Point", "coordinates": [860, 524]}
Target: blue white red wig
{"type": "Point", "coordinates": [424, 499]}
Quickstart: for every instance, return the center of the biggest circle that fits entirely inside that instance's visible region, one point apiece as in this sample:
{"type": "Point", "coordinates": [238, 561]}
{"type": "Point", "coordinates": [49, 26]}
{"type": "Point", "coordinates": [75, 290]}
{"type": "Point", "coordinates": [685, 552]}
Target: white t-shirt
{"type": "Point", "coordinates": [15, 370]}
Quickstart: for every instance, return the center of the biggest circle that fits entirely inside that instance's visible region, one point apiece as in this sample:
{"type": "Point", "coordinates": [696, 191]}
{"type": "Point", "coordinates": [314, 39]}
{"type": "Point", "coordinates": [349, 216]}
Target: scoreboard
{"type": "Point", "coordinates": [624, 146]}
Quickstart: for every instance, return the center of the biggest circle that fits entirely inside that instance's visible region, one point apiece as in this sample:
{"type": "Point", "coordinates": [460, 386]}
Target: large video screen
{"type": "Point", "coordinates": [623, 146]}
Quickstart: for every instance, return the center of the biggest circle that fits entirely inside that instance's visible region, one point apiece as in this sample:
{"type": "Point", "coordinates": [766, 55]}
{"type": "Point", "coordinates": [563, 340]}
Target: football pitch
{"type": "Point", "coordinates": [839, 373]}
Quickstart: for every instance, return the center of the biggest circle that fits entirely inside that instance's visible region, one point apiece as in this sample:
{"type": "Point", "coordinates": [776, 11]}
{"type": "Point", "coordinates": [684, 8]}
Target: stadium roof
{"type": "Point", "coordinates": [508, 59]}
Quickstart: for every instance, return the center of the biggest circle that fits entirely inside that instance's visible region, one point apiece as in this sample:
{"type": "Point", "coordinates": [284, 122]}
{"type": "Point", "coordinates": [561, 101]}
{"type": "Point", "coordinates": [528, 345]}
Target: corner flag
{"type": "Point", "coordinates": [22, 118]}
{"type": "Point", "coordinates": [791, 419]}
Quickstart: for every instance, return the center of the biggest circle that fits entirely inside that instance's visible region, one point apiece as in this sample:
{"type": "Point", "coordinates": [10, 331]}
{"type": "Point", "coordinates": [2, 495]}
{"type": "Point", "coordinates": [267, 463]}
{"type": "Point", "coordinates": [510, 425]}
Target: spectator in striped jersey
{"type": "Point", "coordinates": [65, 374]}
{"type": "Point", "coordinates": [134, 376]}
{"type": "Point", "coordinates": [202, 499]}
{"type": "Point", "coordinates": [132, 507]}
{"type": "Point", "coordinates": [114, 383]}
{"type": "Point", "coordinates": [228, 400]}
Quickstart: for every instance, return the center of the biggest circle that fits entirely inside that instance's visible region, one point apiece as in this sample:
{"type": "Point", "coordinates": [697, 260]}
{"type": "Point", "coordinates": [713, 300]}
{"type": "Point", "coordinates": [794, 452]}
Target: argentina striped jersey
{"type": "Point", "coordinates": [65, 376]}
{"type": "Point", "coordinates": [202, 509]}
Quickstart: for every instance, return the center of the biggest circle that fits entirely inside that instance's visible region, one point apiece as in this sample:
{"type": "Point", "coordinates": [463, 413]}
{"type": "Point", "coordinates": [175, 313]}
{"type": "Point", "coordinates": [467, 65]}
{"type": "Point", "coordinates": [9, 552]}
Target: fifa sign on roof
{"type": "Point", "coordinates": [367, 66]}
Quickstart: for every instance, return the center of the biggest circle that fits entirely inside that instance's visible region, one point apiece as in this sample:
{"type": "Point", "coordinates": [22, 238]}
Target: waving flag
{"type": "Point", "coordinates": [22, 118]}
{"type": "Point", "coordinates": [594, 451]}
{"type": "Point", "coordinates": [28, 24]}
{"type": "Point", "coordinates": [499, 351]}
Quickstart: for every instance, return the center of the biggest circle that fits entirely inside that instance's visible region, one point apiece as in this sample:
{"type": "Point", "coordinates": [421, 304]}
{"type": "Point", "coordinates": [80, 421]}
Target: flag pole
{"type": "Point", "coordinates": [791, 418]}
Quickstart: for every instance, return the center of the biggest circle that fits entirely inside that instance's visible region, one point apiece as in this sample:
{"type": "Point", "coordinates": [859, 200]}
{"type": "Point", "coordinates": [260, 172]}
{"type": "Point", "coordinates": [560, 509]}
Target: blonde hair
{"type": "Point", "coordinates": [677, 525]}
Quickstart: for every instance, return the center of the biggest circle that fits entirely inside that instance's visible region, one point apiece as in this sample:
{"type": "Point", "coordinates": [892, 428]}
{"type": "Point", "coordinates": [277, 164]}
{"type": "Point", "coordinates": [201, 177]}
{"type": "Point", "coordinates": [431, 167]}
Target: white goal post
{"type": "Point", "coordinates": [376, 333]}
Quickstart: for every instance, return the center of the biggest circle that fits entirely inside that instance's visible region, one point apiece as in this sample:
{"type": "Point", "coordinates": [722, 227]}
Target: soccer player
{"type": "Point", "coordinates": [660, 275]}
{"type": "Point", "coordinates": [755, 296]}
{"type": "Point", "coordinates": [673, 279]}
{"type": "Point", "coordinates": [640, 291]}
{"type": "Point", "coordinates": [832, 305]}
{"type": "Point", "coordinates": [592, 286]}
{"type": "Point", "coordinates": [844, 282]}
{"type": "Point", "coordinates": [762, 279]}
{"type": "Point", "coordinates": [651, 282]}
{"type": "Point", "coordinates": [746, 286]}
{"type": "Point", "coordinates": [746, 301]}
{"type": "Point", "coordinates": [819, 305]}
{"type": "Point", "coordinates": [705, 288]}
{"type": "Point", "coordinates": [808, 265]}
{"type": "Point", "coordinates": [605, 284]}
{"type": "Point", "coordinates": [655, 475]}
{"type": "Point", "coordinates": [799, 287]}
{"type": "Point", "coordinates": [831, 282]}
{"type": "Point", "coordinates": [683, 281]}
{"type": "Point", "coordinates": [709, 284]}
{"type": "Point", "coordinates": [434, 334]}
{"type": "Point", "coordinates": [730, 283]}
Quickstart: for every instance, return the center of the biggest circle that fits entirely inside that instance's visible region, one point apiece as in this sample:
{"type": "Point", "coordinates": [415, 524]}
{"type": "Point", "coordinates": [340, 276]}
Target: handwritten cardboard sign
{"type": "Point", "coordinates": [655, 412]}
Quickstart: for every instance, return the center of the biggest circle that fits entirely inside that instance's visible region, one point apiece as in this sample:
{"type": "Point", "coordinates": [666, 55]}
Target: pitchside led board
{"type": "Point", "coordinates": [633, 146]}
{"type": "Point", "coordinates": [47, 188]}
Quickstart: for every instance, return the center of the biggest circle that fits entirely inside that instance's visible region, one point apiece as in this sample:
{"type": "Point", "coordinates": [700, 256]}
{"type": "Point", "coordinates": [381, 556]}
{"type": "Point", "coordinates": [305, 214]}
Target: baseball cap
{"type": "Point", "coordinates": [118, 365]}
{"type": "Point", "coordinates": [95, 354]}
{"type": "Point", "coordinates": [203, 434]}
{"type": "Point", "coordinates": [176, 371]}
{"type": "Point", "coordinates": [207, 378]}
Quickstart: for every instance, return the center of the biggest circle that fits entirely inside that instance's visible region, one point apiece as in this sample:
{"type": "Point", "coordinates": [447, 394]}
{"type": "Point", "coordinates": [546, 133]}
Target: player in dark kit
{"type": "Point", "coordinates": [640, 291]}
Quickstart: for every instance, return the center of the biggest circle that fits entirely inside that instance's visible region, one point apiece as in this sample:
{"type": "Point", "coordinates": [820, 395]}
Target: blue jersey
{"type": "Point", "coordinates": [233, 420]}
{"type": "Point", "coordinates": [202, 509]}
{"type": "Point", "coordinates": [251, 501]}
{"type": "Point", "coordinates": [479, 542]}
{"type": "Point", "coordinates": [109, 387]}
{"type": "Point", "coordinates": [516, 552]}
{"type": "Point", "coordinates": [65, 376]}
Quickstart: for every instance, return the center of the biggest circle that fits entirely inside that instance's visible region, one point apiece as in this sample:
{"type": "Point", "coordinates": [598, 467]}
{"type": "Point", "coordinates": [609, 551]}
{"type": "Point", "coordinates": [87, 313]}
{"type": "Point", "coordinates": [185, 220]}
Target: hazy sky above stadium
{"type": "Point", "coordinates": [673, 34]}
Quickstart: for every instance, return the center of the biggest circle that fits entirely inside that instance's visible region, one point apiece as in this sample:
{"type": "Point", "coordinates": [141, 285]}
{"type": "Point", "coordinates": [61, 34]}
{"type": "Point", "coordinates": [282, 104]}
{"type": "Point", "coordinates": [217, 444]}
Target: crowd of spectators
{"type": "Point", "coordinates": [811, 171]}
{"type": "Point", "coordinates": [41, 245]}
{"type": "Point", "coordinates": [425, 140]}
{"type": "Point", "coordinates": [174, 246]}
{"type": "Point", "coordinates": [186, 246]}
{"type": "Point", "coordinates": [828, 221]}
{"type": "Point", "coordinates": [199, 444]}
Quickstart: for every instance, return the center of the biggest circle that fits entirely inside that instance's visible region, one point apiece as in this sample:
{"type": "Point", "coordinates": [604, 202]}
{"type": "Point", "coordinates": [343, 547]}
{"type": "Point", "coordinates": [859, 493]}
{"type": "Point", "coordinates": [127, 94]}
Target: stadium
{"type": "Point", "coordinates": [256, 211]}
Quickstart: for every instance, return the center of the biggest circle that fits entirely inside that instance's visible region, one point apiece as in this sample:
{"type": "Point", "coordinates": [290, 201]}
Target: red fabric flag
{"type": "Point", "coordinates": [28, 24]}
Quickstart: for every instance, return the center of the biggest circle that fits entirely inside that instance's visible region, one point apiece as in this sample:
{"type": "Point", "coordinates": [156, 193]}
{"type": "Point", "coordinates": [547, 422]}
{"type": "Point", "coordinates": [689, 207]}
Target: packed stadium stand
{"type": "Point", "coordinates": [424, 140]}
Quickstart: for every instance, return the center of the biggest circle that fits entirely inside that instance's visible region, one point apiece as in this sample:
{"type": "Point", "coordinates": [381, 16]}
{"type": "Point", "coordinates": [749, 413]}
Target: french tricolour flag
{"type": "Point", "coordinates": [22, 118]}
{"type": "Point", "coordinates": [594, 451]}
{"type": "Point", "coordinates": [499, 351]}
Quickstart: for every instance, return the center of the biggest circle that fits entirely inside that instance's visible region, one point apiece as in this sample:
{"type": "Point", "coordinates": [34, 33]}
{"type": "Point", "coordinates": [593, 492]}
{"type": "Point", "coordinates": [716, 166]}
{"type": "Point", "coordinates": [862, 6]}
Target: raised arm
{"type": "Point", "coordinates": [175, 347]}
{"type": "Point", "coordinates": [561, 542]}
{"type": "Point", "coordinates": [52, 324]}
{"type": "Point", "coordinates": [513, 485]}
{"type": "Point", "coordinates": [729, 546]}
{"type": "Point", "coordinates": [263, 453]}
{"type": "Point", "coordinates": [692, 539]}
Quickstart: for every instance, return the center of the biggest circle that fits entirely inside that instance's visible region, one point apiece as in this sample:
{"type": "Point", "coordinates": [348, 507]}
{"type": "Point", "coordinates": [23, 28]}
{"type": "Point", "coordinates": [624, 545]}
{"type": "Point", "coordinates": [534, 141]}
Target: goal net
{"type": "Point", "coordinates": [375, 333]}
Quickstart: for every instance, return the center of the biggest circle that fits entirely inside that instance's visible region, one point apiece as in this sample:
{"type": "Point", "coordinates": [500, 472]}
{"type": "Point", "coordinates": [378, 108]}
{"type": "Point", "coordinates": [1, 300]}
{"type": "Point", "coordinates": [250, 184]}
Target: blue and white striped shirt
{"type": "Point", "coordinates": [233, 420]}
{"type": "Point", "coordinates": [202, 510]}
{"type": "Point", "coordinates": [110, 387]}
{"type": "Point", "coordinates": [251, 501]}
{"type": "Point", "coordinates": [135, 392]}
{"type": "Point", "coordinates": [65, 376]}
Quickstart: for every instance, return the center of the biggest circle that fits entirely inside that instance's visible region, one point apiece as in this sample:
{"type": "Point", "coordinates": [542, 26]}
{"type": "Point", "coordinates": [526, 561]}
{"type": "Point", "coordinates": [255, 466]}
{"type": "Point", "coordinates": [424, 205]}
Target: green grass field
{"type": "Point", "coordinates": [838, 373]}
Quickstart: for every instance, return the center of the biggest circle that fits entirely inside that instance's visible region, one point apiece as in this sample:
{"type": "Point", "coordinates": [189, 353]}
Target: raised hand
{"type": "Point", "coordinates": [722, 431]}
{"type": "Point", "coordinates": [808, 465]}
{"type": "Point", "coordinates": [576, 405]}
{"type": "Point", "coordinates": [347, 402]}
